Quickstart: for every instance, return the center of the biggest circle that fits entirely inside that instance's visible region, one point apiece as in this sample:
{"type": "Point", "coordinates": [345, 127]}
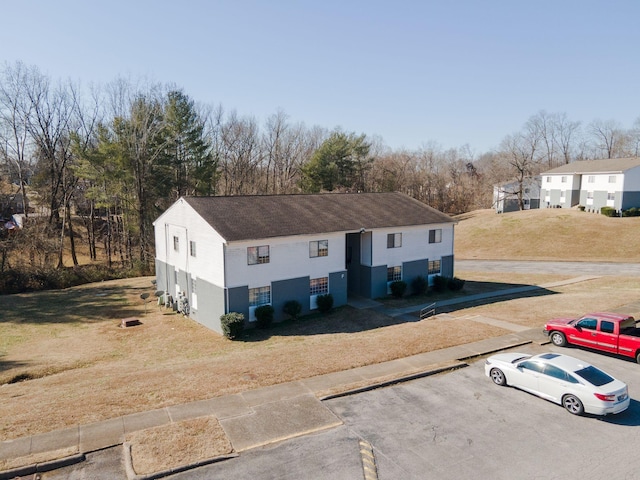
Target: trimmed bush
{"type": "Point", "coordinates": [398, 288]}
{"type": "Point", "coordinates": [264, 316]}
{"type": "Point", "coordinates": [292, 308]}
{"type": "Point", "coordinates": [419, 285]}
{"type": "Point", "coordinates": [232, 325]}
{"type": "Point", "coordinates": [581, 208]}
{"type": "Point", "coordinates": [455, 284]}
{"type": "Point", "coordinates": [608, 211]}
{"type": "Point", "coordinates": [632, 212]}
{"type": "Point", "coordinates": [440, 283]}
{"type": "Point", "coordinates": [325, 302]}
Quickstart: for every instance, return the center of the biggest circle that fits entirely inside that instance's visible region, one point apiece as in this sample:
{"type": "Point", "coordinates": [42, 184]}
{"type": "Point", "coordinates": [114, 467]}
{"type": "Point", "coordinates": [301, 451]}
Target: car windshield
{"type": "Point", "coordinates": [594, 376]}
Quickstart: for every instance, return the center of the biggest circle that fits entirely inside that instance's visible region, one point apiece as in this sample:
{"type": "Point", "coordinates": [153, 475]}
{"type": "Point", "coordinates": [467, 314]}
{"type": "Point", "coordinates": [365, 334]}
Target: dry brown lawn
{"type": "Point", "coordinates": [547, 234]}
{"type": "Point", "coordinates": [64, 361]}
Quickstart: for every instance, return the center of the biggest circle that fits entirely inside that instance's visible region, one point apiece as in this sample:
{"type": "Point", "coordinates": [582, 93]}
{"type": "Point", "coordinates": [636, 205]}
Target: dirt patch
{"type": "Point", "coordinates": [177, 444]}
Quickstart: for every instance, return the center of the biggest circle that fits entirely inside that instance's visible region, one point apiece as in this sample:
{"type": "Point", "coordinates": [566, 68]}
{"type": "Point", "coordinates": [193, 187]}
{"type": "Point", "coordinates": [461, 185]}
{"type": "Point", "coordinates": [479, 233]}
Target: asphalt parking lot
{"type": "Point", "coordinates": [456, 425]}
{"type": "Point", "coordinates": [461, 426]}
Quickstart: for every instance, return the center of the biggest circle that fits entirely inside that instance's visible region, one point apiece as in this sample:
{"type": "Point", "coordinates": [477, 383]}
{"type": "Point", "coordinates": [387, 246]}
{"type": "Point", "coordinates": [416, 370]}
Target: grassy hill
{"type": "Point", "coordinates": [547, 234]}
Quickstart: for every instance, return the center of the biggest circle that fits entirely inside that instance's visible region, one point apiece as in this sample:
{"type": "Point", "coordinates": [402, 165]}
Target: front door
{"type": "Point", "coordinates": [585, 333]}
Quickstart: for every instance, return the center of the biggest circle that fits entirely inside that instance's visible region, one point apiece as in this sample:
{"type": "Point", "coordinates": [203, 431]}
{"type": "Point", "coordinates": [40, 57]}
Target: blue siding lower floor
{"type": "Point", "coordinates": [214, 301]}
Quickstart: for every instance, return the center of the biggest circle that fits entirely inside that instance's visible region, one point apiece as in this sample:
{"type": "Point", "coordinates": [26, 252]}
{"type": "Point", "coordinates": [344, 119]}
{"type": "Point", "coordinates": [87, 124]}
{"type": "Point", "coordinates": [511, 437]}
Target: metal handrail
{"type": "Point", "coordinates": [428, 311]}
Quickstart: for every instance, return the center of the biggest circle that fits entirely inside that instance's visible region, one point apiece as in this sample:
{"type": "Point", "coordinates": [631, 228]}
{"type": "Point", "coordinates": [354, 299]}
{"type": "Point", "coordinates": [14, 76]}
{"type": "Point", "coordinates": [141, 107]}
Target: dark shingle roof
{"type": "Point", "coordinates": [611, 165]}
{"type": "Point", "coordinates": [254, 217]}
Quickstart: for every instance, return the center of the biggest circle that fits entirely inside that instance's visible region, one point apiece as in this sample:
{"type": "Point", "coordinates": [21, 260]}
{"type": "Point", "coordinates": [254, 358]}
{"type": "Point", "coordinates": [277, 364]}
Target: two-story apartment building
{"type": "Point", "coordinates": [233, 254]}
{"type": "Point", "coordinates": [593, 184]}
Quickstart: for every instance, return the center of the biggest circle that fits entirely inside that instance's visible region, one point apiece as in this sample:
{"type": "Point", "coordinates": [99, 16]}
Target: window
{"type": "Point", "coordinates": [548, 179]}
{"type": "Point", "coordinates": [434, 267]}
{"type": "Point", "coordinates": [256, 255]}
{"type": "Point", "coordinates": [563, 196]}
{"type": "Point", "coordinates": [563, 179]}
{"type": "Point", "coordinates": [394, 240]}
{"type": "Point", "coordinates": [319, 248]}
{"type": "Point", "coordinates": [612, 179]}
{"type": "Point", "coordinates": [611, 196]}
{"type": "Point", "coordinates": [259, 296]}
{"type": "Point", "coordinates": [394, 274]}
{"type": "Point", "coordinates": [533, 366]}
{"type": "Point", "coordinates": [591, 179]}
{"type": "Point", "coordinates": [606, 327]}
{"type": "Point", "coordinates": [319, 286]}
{"type": "Point", "coordinates": [435, 236]}
{"type": "Point", "coordinates": [590, 195]}
{"type": "Point", "coordinates": [594, 376]}
{"type": "Point", "coordinates": [587, 323]}
{"type": "Point", "coordinates": [526, 190]}
{"type": "Point", "coordinates": [192, 248]}
{"type": "Point", "coordinates": [176, 243]}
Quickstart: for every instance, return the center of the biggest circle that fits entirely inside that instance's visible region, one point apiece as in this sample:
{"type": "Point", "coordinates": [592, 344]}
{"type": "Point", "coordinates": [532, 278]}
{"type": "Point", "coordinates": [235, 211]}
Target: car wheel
{"type": "Point", "coordinates": [572, 404]}
{"type": "Point", "coordinates": [558, 339]}
{"type": "Point", "coordinates": [498, 377]}
{"type": "Point", "coordinates": [638, 357]}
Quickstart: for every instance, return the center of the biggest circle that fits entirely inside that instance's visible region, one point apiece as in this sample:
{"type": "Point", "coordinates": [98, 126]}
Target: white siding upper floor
{"type": "Point", "coordinates": [562, 182]}
{"type": "Point", "coordinates": [415, 244]}
{"type": "Point", "coordinates": [289, 257]}
{"type": "Point", "coordinates": [602, 182]}
{"type": "Point", "coordinates": [199, 248]}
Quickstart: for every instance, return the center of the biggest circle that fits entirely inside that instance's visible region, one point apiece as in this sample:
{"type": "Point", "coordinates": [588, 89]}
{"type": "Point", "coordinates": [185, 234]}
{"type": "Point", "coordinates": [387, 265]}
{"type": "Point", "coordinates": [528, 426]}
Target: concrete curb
{"type": "Point", "coordinates": [406, 378]}
{"type": "Point", "coordinates": [42, 467]}
{"type": "Point", "coordinates": [132, 475]}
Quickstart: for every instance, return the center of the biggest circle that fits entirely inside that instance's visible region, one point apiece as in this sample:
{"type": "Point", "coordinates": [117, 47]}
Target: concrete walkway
{"type": "Point", "coordinates": [266, 415]}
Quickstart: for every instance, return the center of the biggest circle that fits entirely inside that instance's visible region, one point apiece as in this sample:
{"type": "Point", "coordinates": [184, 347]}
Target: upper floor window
{"type": "Point", "coordinates": [319, 286]}
{"type": "Point", "coordinates": [435, 236]}
{"type": "Point", "coordinates": [591, 179]}
{"type": "Point", "coordinates": [394, 240]}
{"type": "Point", "coordinates": [548, 179]}
{"type": "Point", "coordinates": [563, 179]}
{"type": "Point", "coordinates": [319, 248]}
{"type": "Point", "coordinates": [176, 243]}
{"type": "Point", "coordinates": [259, 296]}
{"type": "Point", "coordinates": [394, 274]}
{"type": "Point", "coordinates": [612, 179]}
{"type": "Point", "coordinates": [257, 255]}
{"type": "Point", "coordinates": [192, 248]}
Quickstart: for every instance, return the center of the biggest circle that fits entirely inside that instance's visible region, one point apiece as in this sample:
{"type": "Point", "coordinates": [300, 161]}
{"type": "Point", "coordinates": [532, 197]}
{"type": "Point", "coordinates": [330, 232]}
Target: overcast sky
{"type": "Point", "coordinates": [411, 72]}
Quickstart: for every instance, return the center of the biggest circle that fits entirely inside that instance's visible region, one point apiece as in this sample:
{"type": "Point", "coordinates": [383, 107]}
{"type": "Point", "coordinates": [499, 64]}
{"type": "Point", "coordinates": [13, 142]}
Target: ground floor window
{"type": "Point", "coordinates": [434, 267]}
{"type": "Point", "coordinates": [259, 296]}
{"type": "Point", "coordinates": [394, 274]}
{"type": "Point", "coordinates": [319, 286]}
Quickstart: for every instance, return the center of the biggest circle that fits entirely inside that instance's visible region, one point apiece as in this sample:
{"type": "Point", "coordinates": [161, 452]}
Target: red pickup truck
{"type": "Point", "coordinates": [609, 332]}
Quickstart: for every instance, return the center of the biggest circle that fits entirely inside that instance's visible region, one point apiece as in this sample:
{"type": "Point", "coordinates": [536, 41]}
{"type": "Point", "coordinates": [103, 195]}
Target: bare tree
{"type": "Point", "coordinates": [16, 149]}
{"type": "Point", "coordinates": [608, 137]}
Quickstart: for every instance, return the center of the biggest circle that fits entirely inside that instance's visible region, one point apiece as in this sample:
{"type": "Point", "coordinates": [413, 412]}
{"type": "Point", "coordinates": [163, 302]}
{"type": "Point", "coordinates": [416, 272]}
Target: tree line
{"type": "Point", "coordinates": [110, 159]}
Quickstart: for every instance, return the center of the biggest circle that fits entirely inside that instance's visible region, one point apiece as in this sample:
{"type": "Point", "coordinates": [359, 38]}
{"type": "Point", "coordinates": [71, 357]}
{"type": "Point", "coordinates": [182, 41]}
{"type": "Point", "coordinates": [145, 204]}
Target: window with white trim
{"type": "Point", "coordinates": [318, 248]}
{"type": "Point", "coordinates": [563, 179]}
{"type": "Point", "coordinates": [435, 236]}
{"type": "Point", "coordinates": [394, 274]}
{"type": "Point", "coordinates": [259, 296]}
{"type": "Point", "coordinates": [319, 286]}
{"type": "Point", "coordinates": [394, 240]}
{"type": "Point", "coordinates": [548, 179]}
{"type": "Point", "coordinates": [192, 248]}
{"type": "Point", "coordinates": [591, 179]}
{"type": "Point", "coordinates": [176, 243]}
{"type": "Point", "coordinates": [257, 255]}
{"type": "Point", "coordinates": [435, 267]}
{"type": "Point", "coordinates": [612, 179]}
{"type": "Point", "coordinates": [589, 195]}
{"type": "Point", "coordinates": [611, 196]}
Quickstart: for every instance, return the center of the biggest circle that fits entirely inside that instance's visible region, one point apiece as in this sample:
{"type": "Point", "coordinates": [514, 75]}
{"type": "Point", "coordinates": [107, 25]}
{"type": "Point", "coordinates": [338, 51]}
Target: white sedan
{"type": "Point", "coordinates": [576, 385]}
